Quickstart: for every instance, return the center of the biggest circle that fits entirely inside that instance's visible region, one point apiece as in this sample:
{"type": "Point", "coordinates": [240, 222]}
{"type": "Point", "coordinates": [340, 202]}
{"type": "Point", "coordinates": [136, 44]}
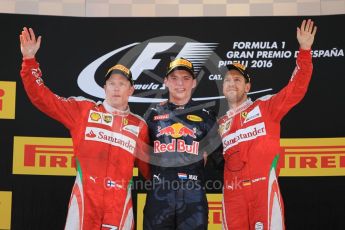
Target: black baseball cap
{"type": "Point", "coordinates": [240, 68]}
{"type": "Point", "coordinates": [121, 69]}
{"type": "Point", "coordinates": [180, 64]}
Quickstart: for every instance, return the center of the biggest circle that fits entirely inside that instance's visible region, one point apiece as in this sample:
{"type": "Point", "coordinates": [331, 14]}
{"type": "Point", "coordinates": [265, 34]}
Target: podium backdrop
{"type": "Point", "coordinates": [36, 154]}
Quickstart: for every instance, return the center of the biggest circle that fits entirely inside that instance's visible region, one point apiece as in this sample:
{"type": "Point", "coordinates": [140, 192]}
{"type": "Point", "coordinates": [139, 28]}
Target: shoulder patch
{"type": "Point", "coordinates": [195, 118]}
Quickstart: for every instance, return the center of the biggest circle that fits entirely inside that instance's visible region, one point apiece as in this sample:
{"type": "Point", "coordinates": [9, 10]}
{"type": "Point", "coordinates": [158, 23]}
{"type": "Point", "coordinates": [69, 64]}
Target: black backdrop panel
{"type": "Point", "coordinates": [70, 45]}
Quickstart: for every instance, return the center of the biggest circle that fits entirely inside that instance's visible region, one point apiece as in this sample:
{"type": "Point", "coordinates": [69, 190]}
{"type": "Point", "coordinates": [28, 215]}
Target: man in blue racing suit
{"type": "Point", "coordinates": [180, 131]}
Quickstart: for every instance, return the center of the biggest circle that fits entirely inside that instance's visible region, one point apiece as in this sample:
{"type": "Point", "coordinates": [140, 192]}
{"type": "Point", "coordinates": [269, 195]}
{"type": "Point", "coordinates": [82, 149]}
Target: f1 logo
{"type": "Point", "coordinates": [143, 55]}
{"type": "Point", "coordinates": [196, 51]}
{"type": "Point", "coordinates": [145, 60]}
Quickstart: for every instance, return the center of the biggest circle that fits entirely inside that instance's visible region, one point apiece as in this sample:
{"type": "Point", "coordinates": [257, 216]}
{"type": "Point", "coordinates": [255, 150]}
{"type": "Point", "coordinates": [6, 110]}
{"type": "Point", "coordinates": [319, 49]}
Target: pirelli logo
{"type": "Point", "coordinates": [214, 213]}
{"type": "Point", "coordinates": [7, 99]}
{"type": "Point", "coordinates": [313, 157]}
{"type": "Point", "coordinates": [44, 156]}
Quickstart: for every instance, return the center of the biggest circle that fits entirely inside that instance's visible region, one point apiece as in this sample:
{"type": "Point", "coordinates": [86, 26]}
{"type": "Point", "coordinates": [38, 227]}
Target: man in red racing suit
{"type": "Point", "coordinates": [250, 134]}
{"type": "Point", "coordinates": [106, 141]}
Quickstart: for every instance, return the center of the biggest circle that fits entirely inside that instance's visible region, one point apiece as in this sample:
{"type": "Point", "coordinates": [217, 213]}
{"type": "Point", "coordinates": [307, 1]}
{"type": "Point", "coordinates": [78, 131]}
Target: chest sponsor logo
{"type": "Point", "coordinates": [132, 129]}
{"type": "Point", "coordinates": [161, 117]}
{"type": "Point", "coordinates": [225, 127]}
{"type": "Point", "coordinates": [243, 135]}
{"type": "Point", "coordinates": [194, 118]}
{"type": "Point", "coordinates": [252, 115]}
{"type": "Point", "coordinates": [112, 138]}
{"type": "Point", "coordinates": [176, 145]}
{"type": "Point", "coordinates": [176, 130]}
{"type": "Point", "coordinates": [100, 118]}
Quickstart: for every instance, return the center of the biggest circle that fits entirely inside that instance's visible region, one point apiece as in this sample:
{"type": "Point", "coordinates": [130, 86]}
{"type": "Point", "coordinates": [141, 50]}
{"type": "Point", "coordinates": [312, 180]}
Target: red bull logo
{"type": "Point", "coordinates": [176, 130]}
{"type": "Point", "coordinates": [176, 145]}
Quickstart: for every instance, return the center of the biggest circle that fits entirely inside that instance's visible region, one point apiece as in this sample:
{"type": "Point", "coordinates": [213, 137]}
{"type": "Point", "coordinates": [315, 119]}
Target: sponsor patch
{"type": "Point", "coordinates": [176, 145]}
{"type": "Point", "coordinates": [194, 118]}
{"type": "Point", "coordinates": [253, 114]}
{"type": "Point", "coordinates": [161, 117]}
{"type": "Point", "coordinates": [132, 129]}
{"type": "Point", "coordinates": [107, 118]}
{"type": "Point", "coordinates": [100, 118]}
{"type": "Point", "coordinates": [242, 135]}
{"type": "Point", "coordinates": [223, 128]}
{"type": "Point", "coordinates": [259, 226]}
{"type": "Point", "coordinates": [109, 137]}
{"type": "Point", "coordinates": [94, 116]}
{"type": "Point", "coordinates": [176, 130]}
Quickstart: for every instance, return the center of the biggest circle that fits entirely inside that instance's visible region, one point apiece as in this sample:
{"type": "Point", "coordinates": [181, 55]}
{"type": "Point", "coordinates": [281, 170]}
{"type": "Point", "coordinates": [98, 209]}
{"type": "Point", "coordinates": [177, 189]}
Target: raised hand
{"type": "Point", "coordinates": [306, 34]}
{"type": "Point", "coordinates": [28, 43]}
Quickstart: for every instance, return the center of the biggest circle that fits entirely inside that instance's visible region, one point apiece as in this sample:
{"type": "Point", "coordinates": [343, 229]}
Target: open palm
{"type": "Point", "coordinates": [306, 34]}
{"type": "Point", "coordinates": [28, 43]}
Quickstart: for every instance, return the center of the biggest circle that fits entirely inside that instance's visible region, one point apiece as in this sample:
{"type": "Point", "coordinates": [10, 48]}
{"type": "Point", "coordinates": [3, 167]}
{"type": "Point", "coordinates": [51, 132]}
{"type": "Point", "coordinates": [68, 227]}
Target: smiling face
{"type": "Point", "coordinates": [117, 91]}
{"type": "Point", "coordinates": [180, 84]}
{"type": "Point", "coordinates": [235, 88]}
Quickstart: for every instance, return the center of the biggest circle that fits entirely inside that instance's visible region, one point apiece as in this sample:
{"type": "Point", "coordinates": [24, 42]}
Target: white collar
{"type": "Point", "coordinates": [232, 112]}
{"type": "Point", "coordinates": [115, 111]}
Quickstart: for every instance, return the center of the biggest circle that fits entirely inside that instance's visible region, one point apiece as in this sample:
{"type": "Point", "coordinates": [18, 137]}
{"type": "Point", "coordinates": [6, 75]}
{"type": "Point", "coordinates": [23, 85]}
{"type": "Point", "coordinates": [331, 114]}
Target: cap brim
{"type": "Point", "coordinates": [244, 74]}
{"type": "Point", "coordinates": [181, 68]}
{"type": "Point", "coordinates": [115, 71]}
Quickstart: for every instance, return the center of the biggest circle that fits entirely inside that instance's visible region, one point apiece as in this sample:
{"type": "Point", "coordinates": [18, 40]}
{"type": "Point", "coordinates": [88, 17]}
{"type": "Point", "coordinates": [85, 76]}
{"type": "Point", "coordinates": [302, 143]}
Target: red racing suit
{"type": "Point", "coordinates": [251, 143]}
{"type": "Point", "coordinates": [106, 144]}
